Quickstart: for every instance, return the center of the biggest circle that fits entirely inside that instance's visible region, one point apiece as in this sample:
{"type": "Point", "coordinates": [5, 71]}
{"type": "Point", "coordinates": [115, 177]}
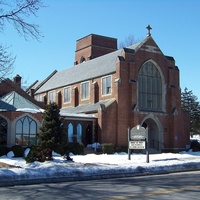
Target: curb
{"type": "Point", "coordinates": [140, 171]}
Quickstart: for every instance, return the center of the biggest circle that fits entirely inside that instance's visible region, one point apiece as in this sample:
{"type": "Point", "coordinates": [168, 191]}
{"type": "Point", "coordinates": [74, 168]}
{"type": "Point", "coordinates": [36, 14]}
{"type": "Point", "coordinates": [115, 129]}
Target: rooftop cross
{"type": "Point", "coordinates": [149, 30]}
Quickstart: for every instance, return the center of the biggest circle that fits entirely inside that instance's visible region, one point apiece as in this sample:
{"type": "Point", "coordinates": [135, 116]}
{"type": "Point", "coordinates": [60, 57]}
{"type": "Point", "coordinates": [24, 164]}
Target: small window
{"type": "Point", "coordinates": [3, 131]}
{"type": "Point", "coordinates": [79, 133]}
{"type": "Point", "coordinates": [82, 59]}
{"type": "Point", "coordinates": [85, 90]}
{"type": "Point", "coordinates": [39, 97]}
{"type": "Point", "coordinates": [106, 85]}
{"type": "Point", "coordinates": [70, 132]}
{"type": "Point", "coordinates": [67, 94]}
{"type": "Point", "coordinates": [51, 97]}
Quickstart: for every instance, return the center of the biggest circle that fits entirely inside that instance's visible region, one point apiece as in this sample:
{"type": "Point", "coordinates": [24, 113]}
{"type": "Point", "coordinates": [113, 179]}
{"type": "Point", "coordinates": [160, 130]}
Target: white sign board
{"type": "Point", "coordinates": [137, 145]}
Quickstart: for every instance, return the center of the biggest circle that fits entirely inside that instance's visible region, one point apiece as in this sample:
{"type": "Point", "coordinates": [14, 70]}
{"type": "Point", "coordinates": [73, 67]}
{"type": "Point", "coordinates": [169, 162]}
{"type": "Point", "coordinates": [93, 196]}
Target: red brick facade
{"type": "Point", "coordinates": [93, 46]}
{"type": "Point", "coordinates": [168, 127]}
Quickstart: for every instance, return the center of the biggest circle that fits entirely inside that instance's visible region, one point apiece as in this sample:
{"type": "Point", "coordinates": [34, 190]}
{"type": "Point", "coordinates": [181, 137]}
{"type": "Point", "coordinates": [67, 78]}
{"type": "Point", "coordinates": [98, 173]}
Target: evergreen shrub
{"type": "Point", "coordinates": [77, 148]}
{"type": "Point", "coordinates": [107, 148]}
{"type": "Point", "coordinates": [122, 149]}
{"type": "Point", "coordinates": [52, 135]}
{"type": "Point", "coordinates": [3, 150]}
{"type": "Point", "coordinates": [17, 150]}
{"type": "Point", "coordinates": [37, 153]}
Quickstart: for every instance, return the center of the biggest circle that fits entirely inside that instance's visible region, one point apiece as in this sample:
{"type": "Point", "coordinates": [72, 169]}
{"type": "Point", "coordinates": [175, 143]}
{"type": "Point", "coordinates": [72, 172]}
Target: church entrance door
{"type": "Point", "coordinates": [153, 134]}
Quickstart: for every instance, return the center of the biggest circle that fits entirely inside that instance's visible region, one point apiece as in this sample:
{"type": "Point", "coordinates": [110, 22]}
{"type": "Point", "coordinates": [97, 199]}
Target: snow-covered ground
{"type": "Point", "coordinates": [92, 165]}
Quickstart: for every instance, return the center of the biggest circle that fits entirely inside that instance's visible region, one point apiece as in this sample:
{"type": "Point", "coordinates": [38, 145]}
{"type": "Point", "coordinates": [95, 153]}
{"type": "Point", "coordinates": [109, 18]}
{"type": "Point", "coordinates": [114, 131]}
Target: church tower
{"type": "Point", "coordinates": [93, 46]}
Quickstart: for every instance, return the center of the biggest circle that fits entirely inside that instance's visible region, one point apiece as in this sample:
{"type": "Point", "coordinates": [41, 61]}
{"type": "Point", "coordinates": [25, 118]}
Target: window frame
{"type": "Point", "coordinates": [107, 89]}
{"type": "Point", "coordinates": [3, 132]}
{"type": "Point", "coordinates": [68, 94]}
{"type": "Point", "coordinates": [79, 132]}
{"type": "Point", "coordinates": [84, 95]}
{"type": "Point", "coordinates": [70, 136]}
{"type": "Point", "coordinates": [39, 97]}
{"type": "Point", "coordinates": [82, 60]}
{"type": "Point", "coordinates": [54, 96]}
{"type": "Point", "coordinates": [150, 93]}
{"type": "Point", "coordinates": [26, 129]}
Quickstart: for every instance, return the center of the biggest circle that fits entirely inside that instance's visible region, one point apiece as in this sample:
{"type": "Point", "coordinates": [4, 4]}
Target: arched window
{"type": "Point", "coordinates": [149, 88]}
{"type": "Point", "coordinates": [26, 129]}
{"type": "Point", "coordinates": [70, 132]}
{"type": "Point", "coordinates": [79, 133]}
{"type": "Point", "coordinates": [82, 59]}
{"type": "Point", "coordinates": [3, 131]}
{"type": "Point", "coordinates": [88, 132]}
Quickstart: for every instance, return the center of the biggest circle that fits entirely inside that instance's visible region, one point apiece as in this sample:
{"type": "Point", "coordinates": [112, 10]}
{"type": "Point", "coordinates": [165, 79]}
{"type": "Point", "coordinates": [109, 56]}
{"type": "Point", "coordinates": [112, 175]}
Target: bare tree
{"type": "Point", "coordinates": [6, 62]}
{"type": "Point", "coordinates": [128, 41]}
{"type": "Point", "coordinates": [17, 13]}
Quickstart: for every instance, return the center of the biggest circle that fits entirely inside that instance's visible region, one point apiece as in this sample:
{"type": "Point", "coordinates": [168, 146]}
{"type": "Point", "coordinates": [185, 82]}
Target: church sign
{"type": "Point", "coordinates": [138, 139]}
{"type": "Point", "coordinates": [137, 144]}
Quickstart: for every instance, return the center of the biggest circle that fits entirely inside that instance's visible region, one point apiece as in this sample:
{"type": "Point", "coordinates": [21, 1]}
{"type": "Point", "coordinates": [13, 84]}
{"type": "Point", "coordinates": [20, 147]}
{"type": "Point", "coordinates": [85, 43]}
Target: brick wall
{"type": "Point", "coordinates": [93, 46]}
{"type": "Point", "coordinates": [115, 119]}
{"type": "Point", "coordinates": [173, 135]}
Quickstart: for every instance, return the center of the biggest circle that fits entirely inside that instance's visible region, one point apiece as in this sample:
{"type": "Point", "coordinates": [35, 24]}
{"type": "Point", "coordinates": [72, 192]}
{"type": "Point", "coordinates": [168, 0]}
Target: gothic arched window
{"type": "Point", "coordinates": [79, 133]}
{"type": "Point", "coordinates": [26, 129]}
{"type": "Point", "coordinates": [3, 131]}
{"type": "Point", "coordinates": [82, 59]}
{"type": "Point", "coordinates": [149, 88]}
{"type": "Point", "coordinates": [70, 132]}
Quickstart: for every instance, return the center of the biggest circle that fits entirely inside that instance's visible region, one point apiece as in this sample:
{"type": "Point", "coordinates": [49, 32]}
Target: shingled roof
{"type": "Point", "coordinates": [94, 68]}
{"type": "Point", "coordinates": [98, 67]}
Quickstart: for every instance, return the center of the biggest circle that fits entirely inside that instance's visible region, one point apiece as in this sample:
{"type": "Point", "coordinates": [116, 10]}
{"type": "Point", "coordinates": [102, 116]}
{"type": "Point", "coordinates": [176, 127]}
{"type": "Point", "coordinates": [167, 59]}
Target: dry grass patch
{"type": "Point", "coordinates": [5, 165]}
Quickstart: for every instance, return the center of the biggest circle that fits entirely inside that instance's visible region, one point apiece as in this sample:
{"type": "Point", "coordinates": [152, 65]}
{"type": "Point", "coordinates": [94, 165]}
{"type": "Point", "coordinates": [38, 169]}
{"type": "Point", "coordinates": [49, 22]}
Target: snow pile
{"type": "Point", "coordinates": [93, 165]}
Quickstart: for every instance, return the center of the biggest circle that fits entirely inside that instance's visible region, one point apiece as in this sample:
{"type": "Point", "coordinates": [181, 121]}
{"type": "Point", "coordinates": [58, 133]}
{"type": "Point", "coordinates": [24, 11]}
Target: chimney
{"type": "Point", "coordinates": [32, 92]}
{"type": "Point", "coordinates": [17, 80]}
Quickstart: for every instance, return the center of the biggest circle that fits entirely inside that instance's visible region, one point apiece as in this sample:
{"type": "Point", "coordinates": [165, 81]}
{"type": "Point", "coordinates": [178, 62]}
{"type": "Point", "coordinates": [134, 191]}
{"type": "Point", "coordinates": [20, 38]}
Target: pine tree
{"type": "Point", "coordinates": [191, 105]}
{"type": "Point", "coordinates": [52, 134]}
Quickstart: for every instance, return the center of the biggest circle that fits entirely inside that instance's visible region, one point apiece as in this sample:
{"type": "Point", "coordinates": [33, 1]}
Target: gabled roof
{"type": "Point", "coordinates": [13, 102]}
{"type": "Point", "coordinates": [33, 86]}
{"type": "Point", "coordinates": [94, 68]}
{"type": "Point", "coordinates": [98, 67]}
{"type": "Point", "coordinates": [7, 86]}
{"type": "Point", "coordinates": [37, 84]}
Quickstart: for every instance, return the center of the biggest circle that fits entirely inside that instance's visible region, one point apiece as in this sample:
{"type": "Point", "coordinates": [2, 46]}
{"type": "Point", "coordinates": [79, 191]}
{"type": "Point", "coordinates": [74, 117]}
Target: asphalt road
{"type": "Point", "coordinates": [184, 185]}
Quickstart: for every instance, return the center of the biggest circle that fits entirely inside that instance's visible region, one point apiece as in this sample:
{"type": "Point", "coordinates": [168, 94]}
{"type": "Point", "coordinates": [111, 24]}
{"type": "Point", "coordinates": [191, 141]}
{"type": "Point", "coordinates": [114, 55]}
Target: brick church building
{"type": "Point", "coordinates": [105, 93]}
{"type": "Point", "coordinates": [108, 91]}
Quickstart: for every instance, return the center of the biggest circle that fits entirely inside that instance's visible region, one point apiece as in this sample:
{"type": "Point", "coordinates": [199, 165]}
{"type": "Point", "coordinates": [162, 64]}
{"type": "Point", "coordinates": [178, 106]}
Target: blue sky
{"type": "Point", "coordinates": [175, 28]}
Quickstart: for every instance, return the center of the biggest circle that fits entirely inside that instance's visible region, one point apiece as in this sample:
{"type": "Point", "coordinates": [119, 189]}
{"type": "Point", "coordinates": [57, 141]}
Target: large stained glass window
{"type": "Point", "coordinates": [149, 88]}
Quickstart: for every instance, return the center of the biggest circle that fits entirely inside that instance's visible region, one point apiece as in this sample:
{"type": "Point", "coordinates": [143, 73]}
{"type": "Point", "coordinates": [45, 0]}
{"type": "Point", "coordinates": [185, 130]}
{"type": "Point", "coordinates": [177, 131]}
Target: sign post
{"type": "Point", "coordinates": [147, 149]}
{"type": "Point", "coordinates": [138, 139]}
{"type": "Point", "coordinates": [129, 151]}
